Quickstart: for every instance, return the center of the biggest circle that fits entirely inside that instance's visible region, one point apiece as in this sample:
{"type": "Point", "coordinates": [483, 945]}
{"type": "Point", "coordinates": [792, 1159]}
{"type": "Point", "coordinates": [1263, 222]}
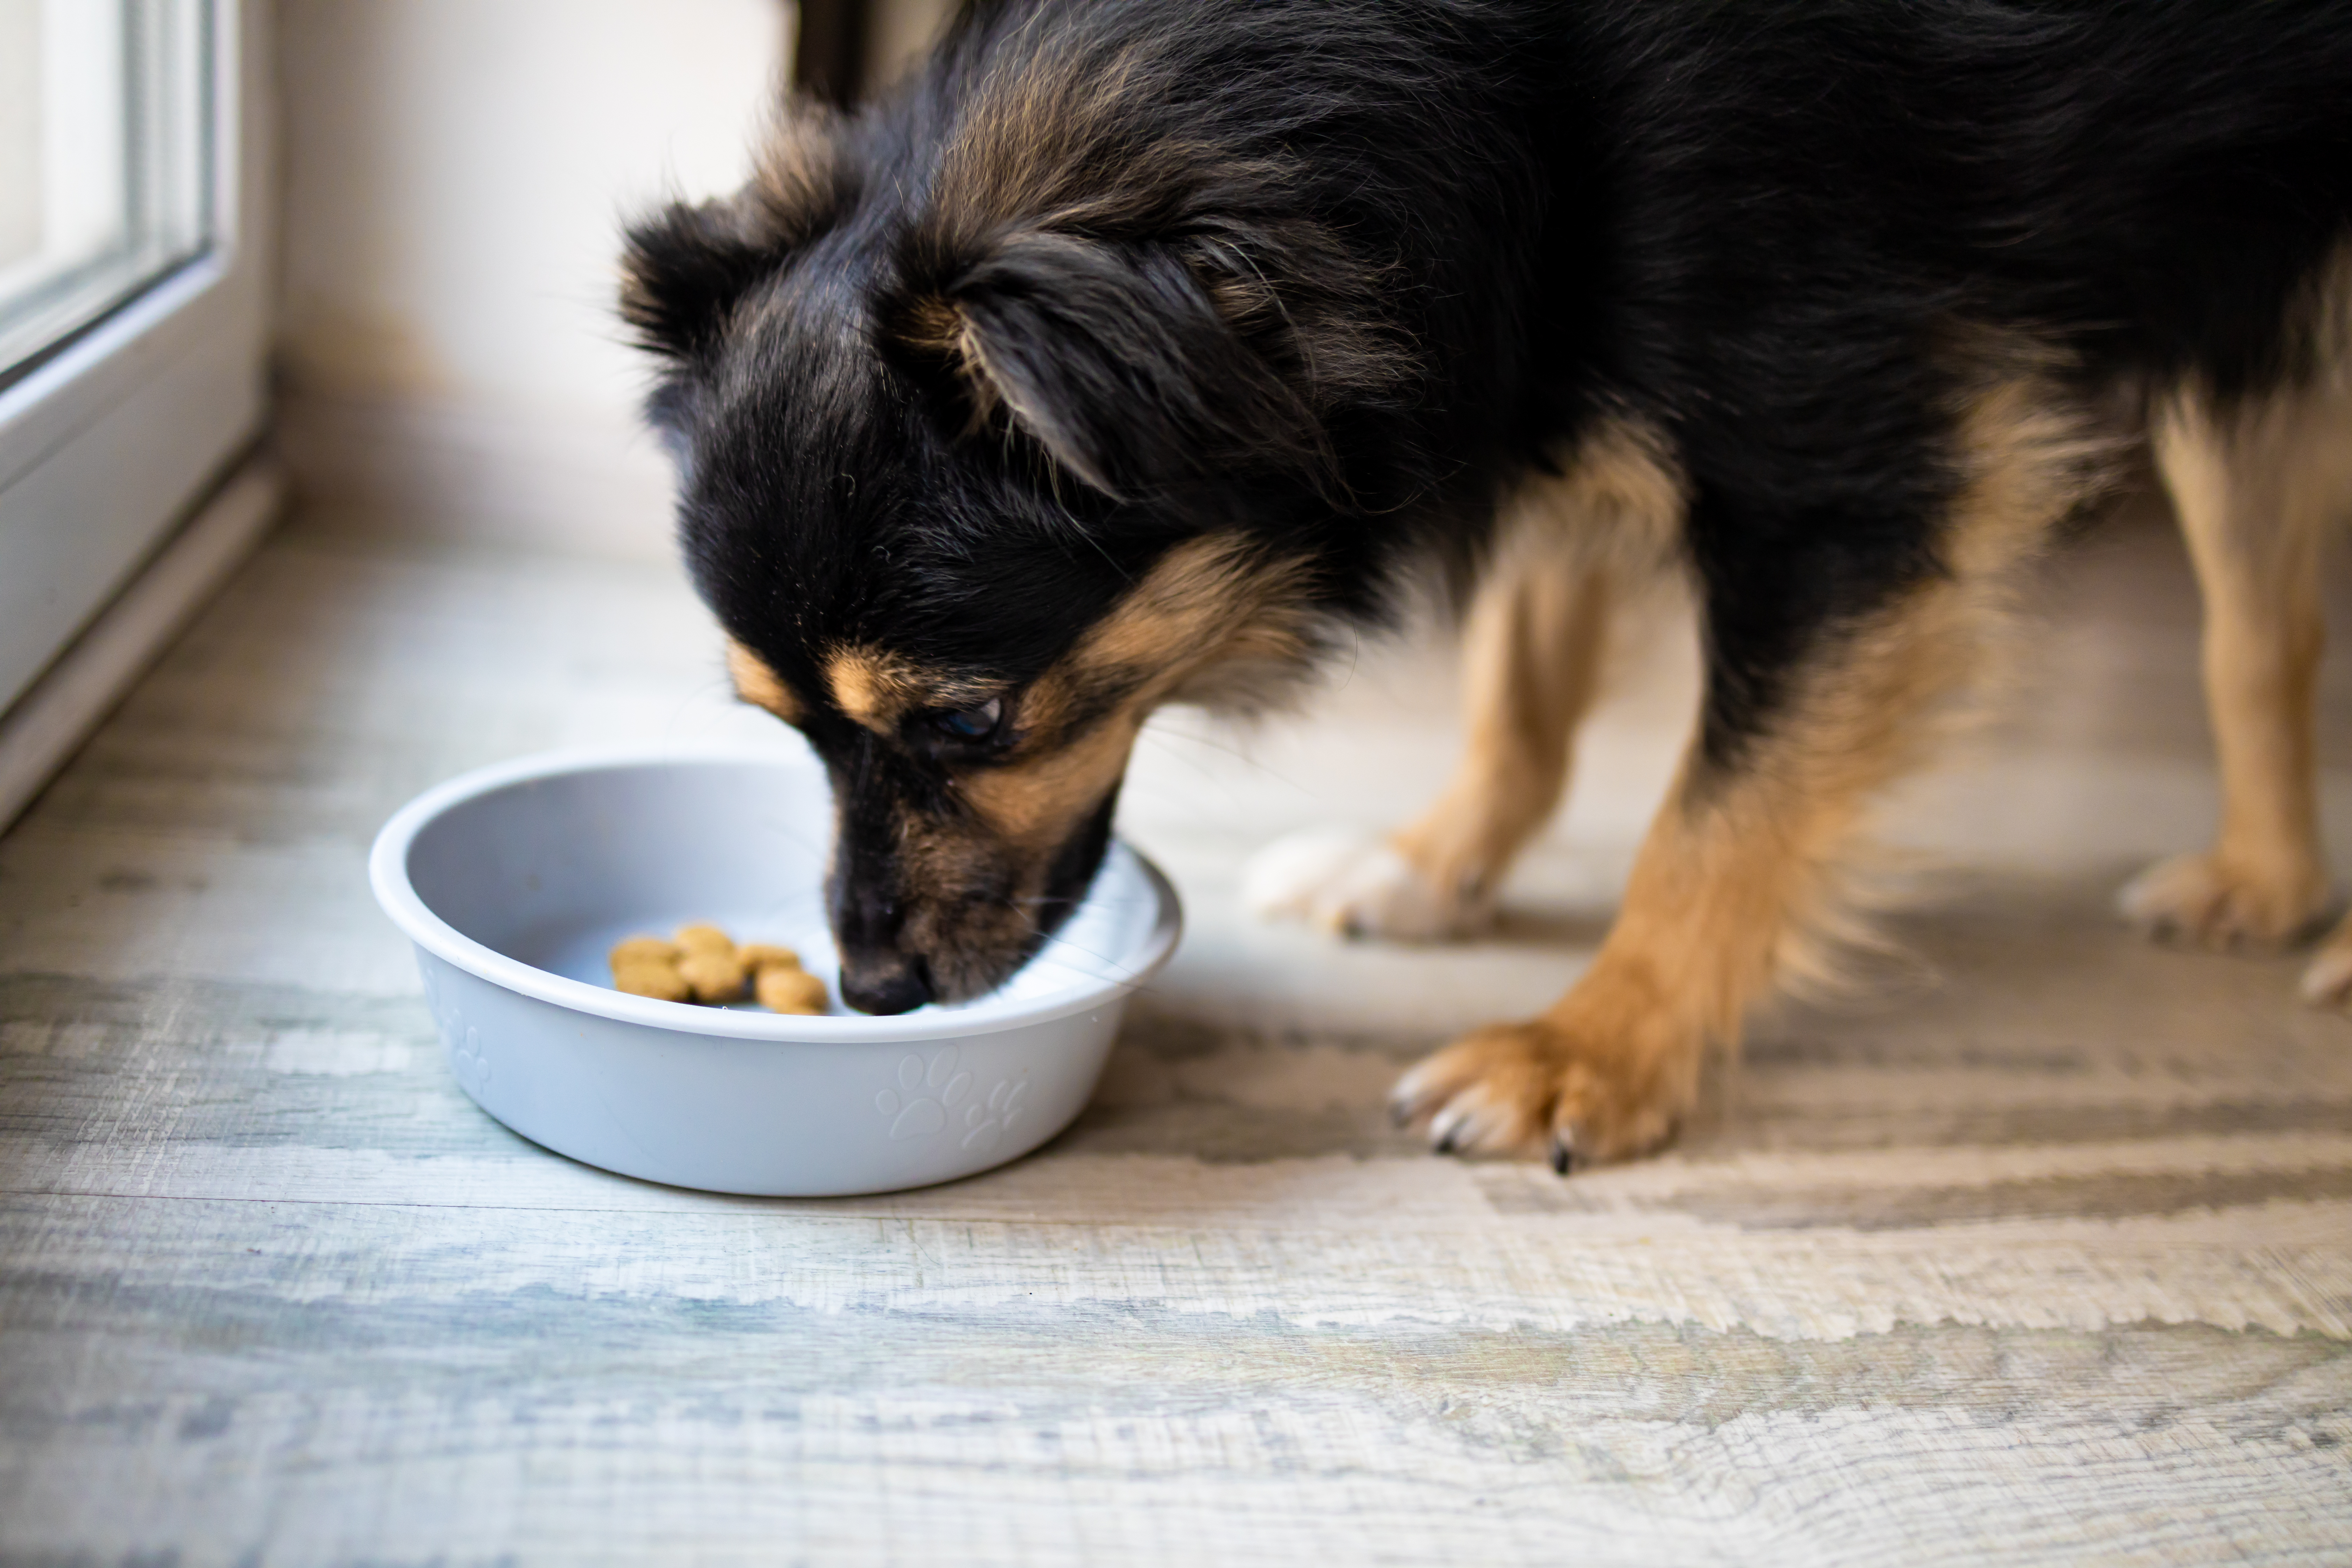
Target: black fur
{"type": "Point", "coordinates": [1336, 271]}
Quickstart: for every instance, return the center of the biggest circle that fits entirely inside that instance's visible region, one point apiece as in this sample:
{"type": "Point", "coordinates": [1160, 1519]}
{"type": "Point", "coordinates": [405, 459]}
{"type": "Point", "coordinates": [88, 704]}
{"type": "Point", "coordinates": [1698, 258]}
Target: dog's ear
{"type": "Point", "coordinates": [1115, 357]}
{"type": "Point", "coordinates": [686, 267]}
{"type": "Point", "coordinates": [682, 272]}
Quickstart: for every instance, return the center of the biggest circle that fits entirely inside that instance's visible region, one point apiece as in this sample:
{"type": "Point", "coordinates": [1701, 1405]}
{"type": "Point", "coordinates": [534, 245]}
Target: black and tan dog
{"type": "Point", "coordinates": [1133, 345]}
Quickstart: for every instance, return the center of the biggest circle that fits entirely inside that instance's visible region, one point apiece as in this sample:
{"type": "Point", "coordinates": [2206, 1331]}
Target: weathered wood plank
{"type": "Point", "coordinates": [2048, 1261]}
{"type": "Point", "coordinates": [576, 1388]}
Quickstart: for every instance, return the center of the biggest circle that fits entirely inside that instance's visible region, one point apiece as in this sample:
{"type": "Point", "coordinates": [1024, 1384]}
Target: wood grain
{"type": "Point", "coordinates": [2048, 1260]}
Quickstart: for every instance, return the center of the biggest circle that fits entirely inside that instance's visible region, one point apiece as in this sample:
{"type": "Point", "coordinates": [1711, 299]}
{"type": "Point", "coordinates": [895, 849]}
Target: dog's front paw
{"type": "Point", "coordinates": [2327, 981]}
{"type": "Point", "coordinates": [1355, 886]}
{"type": "Point", "coordinates": [1564, 1084]}
{"type": "Point", "coordinates": [2208, 902]}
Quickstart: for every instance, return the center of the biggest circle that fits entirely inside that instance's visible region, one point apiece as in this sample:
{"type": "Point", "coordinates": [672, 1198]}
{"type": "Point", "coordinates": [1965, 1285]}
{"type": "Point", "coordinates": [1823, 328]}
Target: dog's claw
{"type": "Point", "coordinates": [1563, 1155]}
{"type": "Point", "coordinates": [2205, 900]}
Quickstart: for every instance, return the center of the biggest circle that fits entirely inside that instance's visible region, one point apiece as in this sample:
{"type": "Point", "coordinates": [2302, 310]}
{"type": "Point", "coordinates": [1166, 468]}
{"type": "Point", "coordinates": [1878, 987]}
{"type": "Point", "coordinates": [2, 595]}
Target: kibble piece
{"type": "Point", "coordinates": [658, 980]}
{"type": "Point", "coordinates": [792, 990]}
{"type": "Point", "coordinates": [710, 965]}
{"type": "Point", "coordinates": [714, 976]}
{"type": "Point", "coordinates": [758, 955]}
{"type": "Point", "coordinates": [647, 966]}
{"type": "Point", "coordinates": [645, 950]}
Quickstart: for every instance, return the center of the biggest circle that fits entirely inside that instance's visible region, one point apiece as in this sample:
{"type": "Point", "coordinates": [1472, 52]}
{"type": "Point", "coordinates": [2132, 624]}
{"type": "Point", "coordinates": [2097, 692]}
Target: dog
{"type": "Point", "coordinates": [1130, 350]}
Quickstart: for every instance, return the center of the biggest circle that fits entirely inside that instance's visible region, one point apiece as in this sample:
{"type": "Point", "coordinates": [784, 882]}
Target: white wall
{"type": "Point", "coordinates": [457, 173]}
{"type": "Point", "coordinates": [20, 129]}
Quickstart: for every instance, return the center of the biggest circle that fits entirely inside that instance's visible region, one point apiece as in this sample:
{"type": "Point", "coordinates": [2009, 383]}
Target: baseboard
{"type": "Point", "coordinates": [47, 726]}
{"type": "Point", "coordinates": [587, 481]}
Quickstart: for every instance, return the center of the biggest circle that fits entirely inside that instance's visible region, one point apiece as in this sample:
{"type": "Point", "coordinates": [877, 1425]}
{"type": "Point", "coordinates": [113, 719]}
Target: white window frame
{"type": "Point", "coordinates": [110, 442]}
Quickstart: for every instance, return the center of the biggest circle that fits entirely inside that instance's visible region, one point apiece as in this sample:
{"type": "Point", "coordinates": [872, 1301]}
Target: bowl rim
{"type": "Point", "coordinates": [388, 876]}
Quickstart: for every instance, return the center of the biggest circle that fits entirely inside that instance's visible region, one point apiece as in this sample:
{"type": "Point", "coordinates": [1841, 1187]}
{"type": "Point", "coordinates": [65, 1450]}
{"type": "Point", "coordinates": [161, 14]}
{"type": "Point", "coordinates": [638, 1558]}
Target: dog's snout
{"type": "Point", "coordinates": [876, 975]}
{"type": "Point", "coordinates": [930, 900]}
{"type": "Point", "coordinates": [897, 985]}
{"type": "Point", "coordinates": [868, 917]}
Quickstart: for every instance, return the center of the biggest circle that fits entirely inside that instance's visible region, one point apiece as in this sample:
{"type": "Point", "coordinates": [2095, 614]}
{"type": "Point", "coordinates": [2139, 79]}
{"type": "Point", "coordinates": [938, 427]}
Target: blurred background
{"type": "Point", "coordinates": [455, 175]}
{"type": "Point", "coordinates": [372, 244]}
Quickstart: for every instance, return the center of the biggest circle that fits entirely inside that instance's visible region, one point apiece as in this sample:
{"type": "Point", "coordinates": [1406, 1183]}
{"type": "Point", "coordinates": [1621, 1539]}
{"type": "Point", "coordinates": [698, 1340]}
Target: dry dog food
{"type": "Point", "coordinates": [702, 964]}
{"type": "Point", "coordinates": [708, 965]}
{"type": "Point", "coordinates": [793, 989]}
{"type": "Point", "coordinates": [647, 966]}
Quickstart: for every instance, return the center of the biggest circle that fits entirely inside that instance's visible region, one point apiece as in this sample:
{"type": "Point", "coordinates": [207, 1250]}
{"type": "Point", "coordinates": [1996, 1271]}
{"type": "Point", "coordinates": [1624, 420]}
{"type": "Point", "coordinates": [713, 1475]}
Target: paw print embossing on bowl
{"type": "Point", "coordinates": [987, 1120]}
{"type": "Point", "coordinates": [449, 1017]}
{"type": "Point", "coordinates": [474, 1069]}
{"type": "Point", "coordinates": [914, 1113]}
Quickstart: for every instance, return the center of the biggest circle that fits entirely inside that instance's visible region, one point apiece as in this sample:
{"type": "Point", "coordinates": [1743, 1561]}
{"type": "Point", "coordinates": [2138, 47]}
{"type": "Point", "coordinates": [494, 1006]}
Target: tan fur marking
{"type": "Point", "coordinates": [879, 689]}
{"type": "Point", "coordinates": [2328, 981]}
{"type": "Point", "coordinates": [757, 684]}
{"type": "Point", "coordinates": [1191, 608]}
{"type": "Point", "coordinates": [966, 937]}
{"type": "Point", "coordinates": [868, 686]}
{"type": "Point", "coordinates": [1532, 650]}
{"type": "Point", "coordinates": [1215, 622]}
{"type": "Point", "coordinates": [1620, 502]}
{"type": "Point", "coordinates": [1532, 661]}
{"type": "Point", "coordinates": [2256, 490]}
{"type": "Point", "coordinates": [1209, 605]}
{"type": "Point", "coordinates": [1737, 878]}
{"type": "Point", "coordinates": [1036, 805]}
{"type": "Point", "coordinates": [934, 326]}
{"type": "Point", "coordinates": [2251, 502]}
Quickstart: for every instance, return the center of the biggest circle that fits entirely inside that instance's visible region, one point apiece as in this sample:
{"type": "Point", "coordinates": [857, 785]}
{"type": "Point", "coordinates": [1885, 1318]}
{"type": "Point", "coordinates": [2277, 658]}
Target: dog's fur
{"type": "Point", "coordinates": [1133, 344]}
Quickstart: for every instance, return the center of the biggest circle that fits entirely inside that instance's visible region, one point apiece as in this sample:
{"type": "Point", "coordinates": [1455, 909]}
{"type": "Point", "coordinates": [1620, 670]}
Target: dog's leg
{"type": "Point", "coordinates": [1531, 651]}
{"type": "Point", "coordinates": [1531, 648]}
{"type": "Point", "coordinates": [1737, 867]}
{"type": "Point", "coordinates": [1737, 876]}
{"type": "Point", "coordinates": [2251, 502]}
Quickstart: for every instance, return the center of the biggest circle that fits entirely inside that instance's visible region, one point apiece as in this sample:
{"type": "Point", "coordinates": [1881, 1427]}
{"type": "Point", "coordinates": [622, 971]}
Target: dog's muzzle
{"type": "Point", "coordinates": [876, 976]}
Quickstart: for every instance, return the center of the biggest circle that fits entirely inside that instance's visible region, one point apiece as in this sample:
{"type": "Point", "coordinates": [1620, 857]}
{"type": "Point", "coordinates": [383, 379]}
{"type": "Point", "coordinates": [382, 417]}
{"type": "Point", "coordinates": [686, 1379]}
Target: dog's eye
{"type": "Point", "coordinates": [969, 724]}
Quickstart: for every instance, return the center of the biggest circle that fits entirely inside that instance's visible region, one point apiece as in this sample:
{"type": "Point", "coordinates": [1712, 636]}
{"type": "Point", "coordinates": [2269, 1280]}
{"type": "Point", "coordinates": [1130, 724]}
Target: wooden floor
{"type": "Point", "coordinates": [2046, 1258]}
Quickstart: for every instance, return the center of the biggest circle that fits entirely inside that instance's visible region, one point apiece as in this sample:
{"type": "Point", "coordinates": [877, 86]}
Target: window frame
{"type": "Point", "coordinates": [113, 437]}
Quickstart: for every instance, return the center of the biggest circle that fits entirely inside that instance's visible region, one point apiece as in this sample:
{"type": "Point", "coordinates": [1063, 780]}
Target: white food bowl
{"type": "Point", "coordinates": [515, 881]}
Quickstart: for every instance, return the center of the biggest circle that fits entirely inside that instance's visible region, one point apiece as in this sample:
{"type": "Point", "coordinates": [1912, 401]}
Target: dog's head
{"type": "Point", "coordinates": [991, 438]}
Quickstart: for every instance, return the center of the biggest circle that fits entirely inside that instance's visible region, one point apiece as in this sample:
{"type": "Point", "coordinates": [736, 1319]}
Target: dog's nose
{"type": "Point", "coordinates": [866, 918]}
{"type": "Point", "coordinates": [876, 975]}
{"type": "Point", "coordinates": [897, 985]}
